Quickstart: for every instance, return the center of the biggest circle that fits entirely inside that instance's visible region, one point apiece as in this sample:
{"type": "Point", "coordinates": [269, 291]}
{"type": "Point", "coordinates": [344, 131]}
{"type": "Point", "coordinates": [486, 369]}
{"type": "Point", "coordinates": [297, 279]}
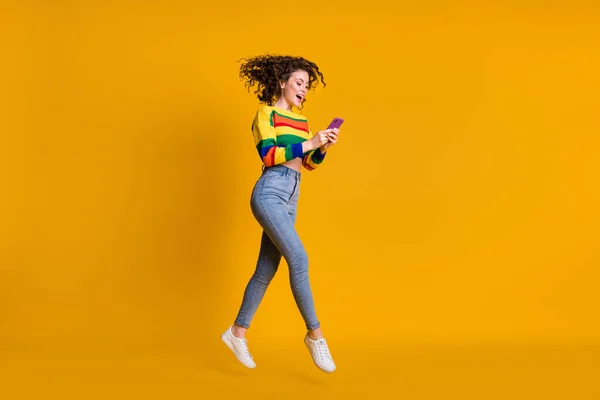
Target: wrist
{"type": "Point", "coordinates": [307, 146]}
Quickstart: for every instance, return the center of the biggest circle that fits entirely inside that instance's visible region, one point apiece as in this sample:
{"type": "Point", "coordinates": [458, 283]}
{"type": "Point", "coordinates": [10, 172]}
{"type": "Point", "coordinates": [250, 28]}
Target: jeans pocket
{"type": "Point", "coordinates": [274, 177]}
{"type": "Point", "coordinates": [280, 185]}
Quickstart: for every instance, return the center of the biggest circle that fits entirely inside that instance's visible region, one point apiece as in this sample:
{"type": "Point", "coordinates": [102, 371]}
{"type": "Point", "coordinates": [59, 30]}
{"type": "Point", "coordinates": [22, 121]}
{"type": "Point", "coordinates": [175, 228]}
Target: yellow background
{"type": "Point", "coordinates": [452, 233]}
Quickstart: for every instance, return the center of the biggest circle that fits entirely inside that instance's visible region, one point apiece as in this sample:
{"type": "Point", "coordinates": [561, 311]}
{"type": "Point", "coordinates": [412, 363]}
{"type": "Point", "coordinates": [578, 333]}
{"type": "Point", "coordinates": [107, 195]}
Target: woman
{"type": "Point", "coordinates": [285, 144]}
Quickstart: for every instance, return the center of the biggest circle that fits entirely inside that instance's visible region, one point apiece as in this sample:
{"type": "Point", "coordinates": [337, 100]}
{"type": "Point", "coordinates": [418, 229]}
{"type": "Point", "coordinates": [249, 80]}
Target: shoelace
{"type": "Point", "coordinates": [323, 349]}
{"type": "Point", "coordinates": [245, 347]}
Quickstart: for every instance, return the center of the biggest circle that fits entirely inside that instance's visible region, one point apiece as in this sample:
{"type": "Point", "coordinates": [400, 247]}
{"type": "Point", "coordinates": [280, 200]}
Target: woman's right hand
{"type": "Point", "coordinates": [319, 139]}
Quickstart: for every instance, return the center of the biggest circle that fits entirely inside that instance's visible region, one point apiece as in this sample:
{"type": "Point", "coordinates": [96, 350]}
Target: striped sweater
{"type": "Point", "coordinates": [278, 136]}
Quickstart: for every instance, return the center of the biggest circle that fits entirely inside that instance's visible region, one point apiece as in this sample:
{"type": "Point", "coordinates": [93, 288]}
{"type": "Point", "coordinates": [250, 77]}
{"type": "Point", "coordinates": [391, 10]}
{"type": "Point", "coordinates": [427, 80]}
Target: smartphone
{"type": "Point", "coordinates": [336, 123]}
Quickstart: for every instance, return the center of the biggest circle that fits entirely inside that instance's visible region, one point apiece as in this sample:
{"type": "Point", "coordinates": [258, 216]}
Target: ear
{"type": "Point", "coordinates": [282, 84]}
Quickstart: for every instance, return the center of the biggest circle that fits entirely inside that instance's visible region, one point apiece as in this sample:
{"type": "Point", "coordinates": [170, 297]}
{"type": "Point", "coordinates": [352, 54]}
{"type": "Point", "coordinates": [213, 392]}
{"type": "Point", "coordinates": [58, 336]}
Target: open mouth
{"type": "Point", "coordinates": [300, 97]}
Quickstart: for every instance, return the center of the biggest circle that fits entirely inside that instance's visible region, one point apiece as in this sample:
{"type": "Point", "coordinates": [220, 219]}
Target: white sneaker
{"type": "Point", "coordinates": [239, 346]}
{"type": "Point", "coordinates": [320, 353]}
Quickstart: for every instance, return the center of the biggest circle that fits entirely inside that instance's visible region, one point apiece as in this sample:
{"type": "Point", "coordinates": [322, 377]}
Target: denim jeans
{"type": "Point", "coordinates": [274, 202]}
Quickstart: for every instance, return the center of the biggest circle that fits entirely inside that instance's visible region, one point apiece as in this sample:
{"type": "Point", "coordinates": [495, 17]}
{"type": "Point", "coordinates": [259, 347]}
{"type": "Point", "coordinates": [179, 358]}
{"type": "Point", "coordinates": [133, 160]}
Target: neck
{"type": "Point", "coordinates": [281, 103]}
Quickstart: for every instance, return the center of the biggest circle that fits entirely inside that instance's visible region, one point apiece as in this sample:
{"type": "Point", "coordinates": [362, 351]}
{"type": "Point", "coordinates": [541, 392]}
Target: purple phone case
{"type": "Point", "coordinates": [336, 123]}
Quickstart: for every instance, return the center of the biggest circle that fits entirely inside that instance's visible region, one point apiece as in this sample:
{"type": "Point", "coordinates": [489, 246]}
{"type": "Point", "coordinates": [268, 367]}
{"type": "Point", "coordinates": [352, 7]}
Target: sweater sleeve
{"type": "Point", "coordinates": [265, 140]}
{"type": "Point", "coordinates": [312, 159]}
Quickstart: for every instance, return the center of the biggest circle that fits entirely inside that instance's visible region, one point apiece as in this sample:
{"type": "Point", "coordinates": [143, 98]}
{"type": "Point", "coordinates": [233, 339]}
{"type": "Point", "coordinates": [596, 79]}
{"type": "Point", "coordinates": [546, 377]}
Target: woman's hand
{"type": "Point", "coordinates": [332, 137]}
{"type": "Point", "coordinates": [319, 139]}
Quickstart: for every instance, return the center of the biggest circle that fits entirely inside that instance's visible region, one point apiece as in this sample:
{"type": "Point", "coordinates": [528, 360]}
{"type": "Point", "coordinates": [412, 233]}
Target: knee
{"type": "Point", "coordinates": [265, 275]}
{"type": "Point", "coordinates": [299, 264]}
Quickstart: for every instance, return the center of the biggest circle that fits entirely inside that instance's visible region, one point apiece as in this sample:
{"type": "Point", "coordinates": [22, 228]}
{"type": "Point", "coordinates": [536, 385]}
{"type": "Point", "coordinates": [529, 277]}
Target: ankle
{"type": "Point", "coordinates": [315, 334]}
{"type": "Point", "coordinates": [238, 331]}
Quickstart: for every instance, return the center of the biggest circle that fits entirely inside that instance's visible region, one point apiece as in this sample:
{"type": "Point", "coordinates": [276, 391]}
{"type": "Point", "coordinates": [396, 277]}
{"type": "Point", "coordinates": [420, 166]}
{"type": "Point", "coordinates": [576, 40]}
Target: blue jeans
{"type": "Point", "coordinates": [274, 203]}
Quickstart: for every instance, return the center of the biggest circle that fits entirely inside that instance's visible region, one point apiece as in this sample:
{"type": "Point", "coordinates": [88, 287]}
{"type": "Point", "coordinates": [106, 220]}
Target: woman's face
{"type": "Point", "coordinates": [295, 88]}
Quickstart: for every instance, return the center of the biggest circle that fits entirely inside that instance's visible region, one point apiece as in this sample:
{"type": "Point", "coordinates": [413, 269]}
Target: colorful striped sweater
{"type": "Point", "coordinates": [278, 136]}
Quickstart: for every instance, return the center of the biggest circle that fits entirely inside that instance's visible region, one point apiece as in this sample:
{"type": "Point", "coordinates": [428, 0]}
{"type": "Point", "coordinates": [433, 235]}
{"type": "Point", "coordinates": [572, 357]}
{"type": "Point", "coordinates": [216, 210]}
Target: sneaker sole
{"type": "Point", "coordinates": [230, 345]}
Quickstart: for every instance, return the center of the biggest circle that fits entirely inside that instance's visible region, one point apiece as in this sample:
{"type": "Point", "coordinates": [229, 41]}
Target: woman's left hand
{"type": "Point", "coordinates": [332, 136]}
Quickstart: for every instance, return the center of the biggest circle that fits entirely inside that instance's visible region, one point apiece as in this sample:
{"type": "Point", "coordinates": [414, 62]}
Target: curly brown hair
{"type": "Point", "coordinates": [266, 71]}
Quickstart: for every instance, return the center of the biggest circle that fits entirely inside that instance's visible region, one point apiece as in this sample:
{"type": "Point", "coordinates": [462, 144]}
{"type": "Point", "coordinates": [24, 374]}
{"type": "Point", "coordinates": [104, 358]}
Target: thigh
{"type": "Point", "coordinates": [270, 208]}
